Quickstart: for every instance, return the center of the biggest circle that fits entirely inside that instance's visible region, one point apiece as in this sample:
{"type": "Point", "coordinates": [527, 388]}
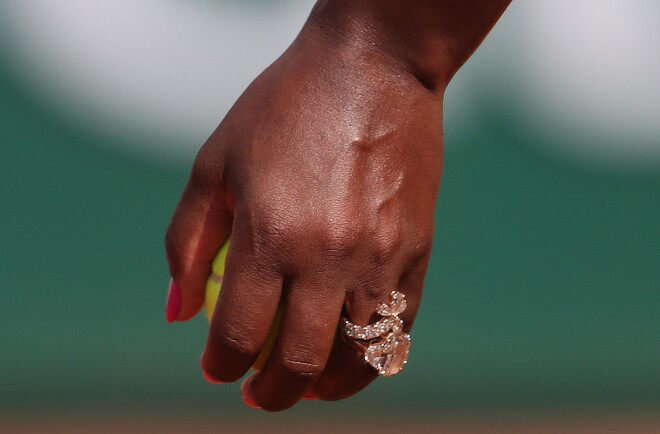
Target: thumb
{"type": "Point", "coordinates": [200, 226]}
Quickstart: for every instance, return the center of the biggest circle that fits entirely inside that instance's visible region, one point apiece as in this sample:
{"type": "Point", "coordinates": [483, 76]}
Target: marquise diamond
{"type": "Point", "coordinates": [396, 305]}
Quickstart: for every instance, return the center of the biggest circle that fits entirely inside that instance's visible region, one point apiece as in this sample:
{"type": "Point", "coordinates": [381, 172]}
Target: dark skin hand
{"type": "Point", "coordinates": [325, 173]}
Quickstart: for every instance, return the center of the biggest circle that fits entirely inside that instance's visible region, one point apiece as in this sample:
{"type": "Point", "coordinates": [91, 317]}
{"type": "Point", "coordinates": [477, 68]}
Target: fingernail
{"type": "Point", "coordinates": [173, 301]}
{"type": "Point", "coordinates": [248, 401]}
{"type": "Point", "coordinates": [208, 377]}
{"type": "Point", "coordinates": [309, 396]}
{"type": "Point", "coordinates": [245, 392]}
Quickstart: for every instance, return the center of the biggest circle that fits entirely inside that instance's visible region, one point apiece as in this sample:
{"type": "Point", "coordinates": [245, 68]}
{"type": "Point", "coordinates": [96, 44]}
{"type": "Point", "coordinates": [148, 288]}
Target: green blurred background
{"type": "Point", "coordinates": [543, 293]}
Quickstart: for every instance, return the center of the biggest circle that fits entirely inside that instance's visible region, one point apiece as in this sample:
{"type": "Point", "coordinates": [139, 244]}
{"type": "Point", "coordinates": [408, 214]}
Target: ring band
{"type": "Point", "coordinates": [384, 343]}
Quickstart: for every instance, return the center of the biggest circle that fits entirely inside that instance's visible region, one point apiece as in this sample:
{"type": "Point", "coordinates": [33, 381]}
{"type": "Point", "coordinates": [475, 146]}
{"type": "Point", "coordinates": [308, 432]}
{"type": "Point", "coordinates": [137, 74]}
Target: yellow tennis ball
{"type": "Point", "coordinates": [214, 283]}
{"type": "Point", "coordinates": [213, 287]}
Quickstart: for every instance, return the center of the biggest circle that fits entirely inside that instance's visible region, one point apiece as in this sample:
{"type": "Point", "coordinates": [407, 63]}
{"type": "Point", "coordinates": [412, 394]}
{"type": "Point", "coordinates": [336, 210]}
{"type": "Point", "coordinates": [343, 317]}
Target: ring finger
{"type": "Point", "coordinates": [347, 371]}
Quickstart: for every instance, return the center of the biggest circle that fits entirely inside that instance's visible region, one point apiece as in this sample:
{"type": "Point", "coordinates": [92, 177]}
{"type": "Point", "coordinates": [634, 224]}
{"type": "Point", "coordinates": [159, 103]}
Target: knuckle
{"type": "Point", "coordinates": [339, 239]}
{"type": "Point", "coordinates": [235, 341]}
{"type": "Point", "coordinates": [371, 290]}
{"type": "Point", "coordinates": [301, 366]}
{"type": "Point", "coordinates": [385, 245]}
{"type": "Point", "coordinates": [269, 227]}
{"type": "Point", "coordinates": [422, 244]}
{"type": "Point", "coordinates": [266, 225]}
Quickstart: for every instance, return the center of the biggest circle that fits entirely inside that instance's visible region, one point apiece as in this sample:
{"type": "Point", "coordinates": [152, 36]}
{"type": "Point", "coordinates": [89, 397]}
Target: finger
{"type": "Point", "coordinates": [347, 372]}
{"type": "Point", "coordinates": [200, 226]}
{"type": "Point", "coordinates": [245, 310]}
{"type": "Point", "coordinates": [307, 330]}
{"type": "Point", "coordinates": [411, 284]}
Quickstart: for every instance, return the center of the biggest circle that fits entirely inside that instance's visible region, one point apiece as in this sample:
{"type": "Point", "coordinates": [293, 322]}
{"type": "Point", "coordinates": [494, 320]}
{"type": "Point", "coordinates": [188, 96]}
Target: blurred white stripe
{"type": "Point", "coordinates": [165, 70]}
{"type": "Point", "coordinates": [583, 73]}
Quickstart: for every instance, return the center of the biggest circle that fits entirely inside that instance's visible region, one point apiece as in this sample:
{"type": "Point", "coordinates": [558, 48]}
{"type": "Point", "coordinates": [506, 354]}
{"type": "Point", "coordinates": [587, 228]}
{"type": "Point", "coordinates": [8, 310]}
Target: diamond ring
{"type": "Point", "coordinates": [384, 343]}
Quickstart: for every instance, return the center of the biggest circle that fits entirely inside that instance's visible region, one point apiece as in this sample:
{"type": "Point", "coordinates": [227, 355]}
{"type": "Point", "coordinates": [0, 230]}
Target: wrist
{"type": "Point", "coordinates": [426, 39]}
{"type": "Point", "coordinates": [347, 61]}
{"type": "Point", "coordinates": [369, 28]}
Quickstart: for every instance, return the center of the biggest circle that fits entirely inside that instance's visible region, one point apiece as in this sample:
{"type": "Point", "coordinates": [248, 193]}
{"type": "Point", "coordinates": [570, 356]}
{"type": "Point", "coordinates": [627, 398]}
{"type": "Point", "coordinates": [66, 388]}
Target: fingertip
{"type": "Point", "coordinates": [248, 401]}
{"type": "Point", "coordinates": [247, 393]}
{"type": "Point", "coordinates": [181, 305]}
{"type": "Point", "coordinates": [309, 396]}
{"type": "Point", "coordinates": [192, 299]}
{"type": "Point", "coordinates": [208, 377]}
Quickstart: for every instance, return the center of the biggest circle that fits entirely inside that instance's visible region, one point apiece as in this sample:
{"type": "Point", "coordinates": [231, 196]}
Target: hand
{"type": "Point", "coordinates": [325, 173]}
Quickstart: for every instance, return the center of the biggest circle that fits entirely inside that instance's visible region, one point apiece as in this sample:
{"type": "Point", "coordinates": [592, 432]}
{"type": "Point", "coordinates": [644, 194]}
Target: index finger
{"type": "Point", "coordinates": [245, 310]}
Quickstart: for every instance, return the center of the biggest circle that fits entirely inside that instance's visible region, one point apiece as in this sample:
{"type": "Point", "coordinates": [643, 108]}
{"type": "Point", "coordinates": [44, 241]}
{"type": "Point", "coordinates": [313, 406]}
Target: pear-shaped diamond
{"type": "Point", "coordinates": [389, 354]}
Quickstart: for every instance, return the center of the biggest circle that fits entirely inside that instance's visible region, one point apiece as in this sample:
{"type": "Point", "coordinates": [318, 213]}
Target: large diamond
{"type": "Point", "coordinates": [389, 354]}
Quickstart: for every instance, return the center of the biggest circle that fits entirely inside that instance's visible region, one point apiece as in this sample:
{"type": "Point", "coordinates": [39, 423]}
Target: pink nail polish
{"type": "Point", "coordinates": [248, 401]}
{"type": "Point", "coordinates": [309, 396]}
{"type": "Point", "coordinates": [173, 301]}
{"type": "Point", "coordinates": [208, 377]}
{"type": "Point", "coordinates": [246, 397]}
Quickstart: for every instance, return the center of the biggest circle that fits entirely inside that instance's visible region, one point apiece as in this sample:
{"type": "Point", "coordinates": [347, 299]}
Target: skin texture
{"type": "Point", "coordinates": [325, 173]}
